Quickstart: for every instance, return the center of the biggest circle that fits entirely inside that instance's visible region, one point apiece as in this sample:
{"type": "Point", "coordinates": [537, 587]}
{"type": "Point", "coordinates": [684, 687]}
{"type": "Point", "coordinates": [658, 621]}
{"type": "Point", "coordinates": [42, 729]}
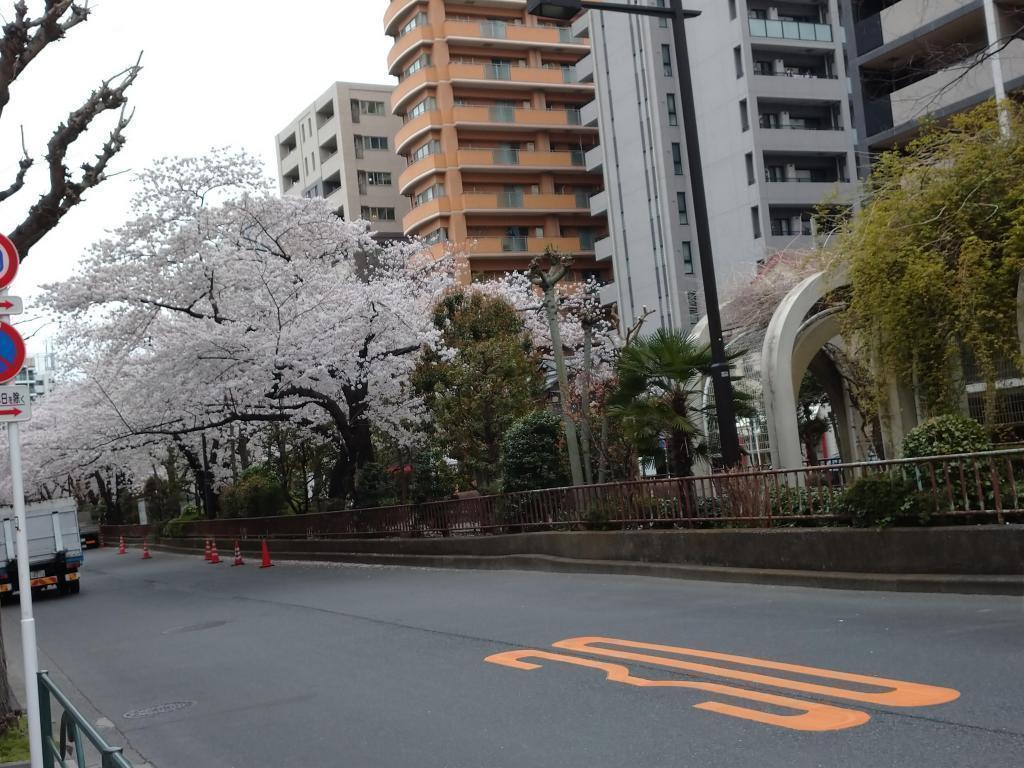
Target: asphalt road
{"type": "Point", "coordinates": [384, 667]}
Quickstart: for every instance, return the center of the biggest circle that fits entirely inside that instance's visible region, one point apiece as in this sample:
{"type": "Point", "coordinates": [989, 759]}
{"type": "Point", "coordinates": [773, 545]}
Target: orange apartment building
{"type": "Point", "coordinates": [496, 151]}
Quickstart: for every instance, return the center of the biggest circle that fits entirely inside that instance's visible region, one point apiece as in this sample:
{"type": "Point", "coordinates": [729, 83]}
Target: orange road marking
{"type": "Point", "coordinates": [899, 693]}
{"type": "Point", "coordinates": [813, 717]}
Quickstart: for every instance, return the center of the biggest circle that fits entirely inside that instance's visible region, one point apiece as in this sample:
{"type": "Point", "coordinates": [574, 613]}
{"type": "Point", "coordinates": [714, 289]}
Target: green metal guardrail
{"type": "Point", "coordinates": [73, 727]}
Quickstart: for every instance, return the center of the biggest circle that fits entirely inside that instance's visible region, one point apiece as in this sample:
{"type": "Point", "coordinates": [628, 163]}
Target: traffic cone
{"type": "Point", "coordinates": [214, 557]}
{"type": "Point", "coordinates": [266, 556]}
{"type": "Point", "coordinates": [209, 554]}
{"type": "Point", "coordinates": [121, 548]}
{"type": "Point", "coordinates": [238, 556]}
{"type": "Point", "coordinates": [145, 550]}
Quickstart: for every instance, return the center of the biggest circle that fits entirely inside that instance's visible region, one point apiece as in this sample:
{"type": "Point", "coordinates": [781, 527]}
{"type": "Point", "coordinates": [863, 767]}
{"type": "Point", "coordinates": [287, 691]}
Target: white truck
{"type": "Point", "coordinates": [54, 548]}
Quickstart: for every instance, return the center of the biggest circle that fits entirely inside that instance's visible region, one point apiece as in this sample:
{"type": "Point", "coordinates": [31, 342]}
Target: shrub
{"type": "Point", "coordinates": [432, 478]}
{"type": "Point", "coordinates": [175, 529]}
{"type": "Point", "coordinates": [375, 486]}
{"type": "Point", "coordinates": [883, 499]}
{"type": "Point", "coordinates": [792, 501]}
{"type": "Point", "coordinates": [161, 499]}
{"type": "Point", "coordinates": [944, 435]}
{"type": "Point", "coordinates": [256, 494]}
{"type": "Point", "coordinates": [532, 454]}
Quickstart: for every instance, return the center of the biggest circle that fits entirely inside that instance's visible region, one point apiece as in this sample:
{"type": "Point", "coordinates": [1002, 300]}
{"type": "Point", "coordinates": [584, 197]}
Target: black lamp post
{"type": "Point", "coordinates": [725, 406]}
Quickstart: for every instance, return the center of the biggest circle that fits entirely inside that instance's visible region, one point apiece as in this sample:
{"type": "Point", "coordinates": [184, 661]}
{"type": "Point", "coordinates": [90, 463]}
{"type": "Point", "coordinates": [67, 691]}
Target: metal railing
{"type": "Point", "coordinates": [76, 732]}
{"type": "Point", "coordinates": [790, 30]}
{"type": "Point", "coordinates": [962, 488]}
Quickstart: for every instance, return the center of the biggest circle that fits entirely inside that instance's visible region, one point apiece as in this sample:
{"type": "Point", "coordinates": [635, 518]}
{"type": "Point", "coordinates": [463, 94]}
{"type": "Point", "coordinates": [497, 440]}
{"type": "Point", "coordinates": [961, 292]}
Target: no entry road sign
{"type": "Point", "coordinates": [12, 352]}
{"type": "Point", "coordinates": [8, 261]}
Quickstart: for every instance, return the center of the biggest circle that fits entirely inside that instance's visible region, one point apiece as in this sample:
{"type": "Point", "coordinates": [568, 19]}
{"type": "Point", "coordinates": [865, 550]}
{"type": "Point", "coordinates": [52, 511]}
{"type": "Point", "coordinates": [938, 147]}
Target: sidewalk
{"type": "Point", "coordinates": [105, 723]}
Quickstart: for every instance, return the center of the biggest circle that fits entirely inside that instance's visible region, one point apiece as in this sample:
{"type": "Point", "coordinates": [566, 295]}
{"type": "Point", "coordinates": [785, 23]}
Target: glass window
{"type": "Point", "coordinates": [670, 101]}
{"type": "Point", "coordinates": [687, 257]}
{"type": "Point", "coordinates": [677, 158]}
{"type": "Point", "coordinates": [744, 115]}
{"type": "Point", "coordinates": [666, 59]}
{"type": "Point", "coordinates": [755, 221]}
{"type": "Point", "coordinates": [681, 205]}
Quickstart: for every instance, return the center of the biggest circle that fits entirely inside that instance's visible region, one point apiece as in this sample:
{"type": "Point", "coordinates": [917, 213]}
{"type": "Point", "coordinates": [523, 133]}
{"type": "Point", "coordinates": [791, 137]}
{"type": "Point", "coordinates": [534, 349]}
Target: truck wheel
{"type": "Point", "coordinates": [74, 587]}
{"type": "Point", "coordinates": [6, 598]}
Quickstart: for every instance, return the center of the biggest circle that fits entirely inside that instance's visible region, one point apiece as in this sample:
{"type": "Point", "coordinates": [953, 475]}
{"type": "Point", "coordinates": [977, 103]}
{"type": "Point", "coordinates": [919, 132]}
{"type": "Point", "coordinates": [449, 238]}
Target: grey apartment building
{"type": "Point", "coordinates": [776, 136]}
{"type": "Point", "coordinates": [918, 57]}
{"type": "Point", "coordinates": [341, 148]}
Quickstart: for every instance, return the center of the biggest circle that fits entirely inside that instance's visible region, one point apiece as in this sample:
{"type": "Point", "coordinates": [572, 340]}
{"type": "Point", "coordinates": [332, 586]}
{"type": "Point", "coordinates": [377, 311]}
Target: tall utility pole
{"type": "Point", "coordinates": [725, 404]}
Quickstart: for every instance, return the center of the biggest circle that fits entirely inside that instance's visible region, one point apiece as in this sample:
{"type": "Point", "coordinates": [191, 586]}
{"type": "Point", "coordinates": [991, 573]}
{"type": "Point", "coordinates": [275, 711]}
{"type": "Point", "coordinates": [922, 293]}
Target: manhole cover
{"type": "Point", "coordinates": [159, 709]}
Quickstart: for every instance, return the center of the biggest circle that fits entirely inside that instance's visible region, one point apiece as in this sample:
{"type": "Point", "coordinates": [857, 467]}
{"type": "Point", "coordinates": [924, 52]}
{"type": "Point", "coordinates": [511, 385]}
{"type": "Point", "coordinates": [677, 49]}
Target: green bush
{"type": "Point", "coordinates": [532, 453]}
{"type": "Point", "coordinates": [175, 529]}
{"type": "Point", "coordinates": [432, 478]}
{"type": "Point", "coordinates": [375, 487]}
{"type": "Point", "coordinates": [161, 499]}
{"type": "Point", "coordinates": [256, 494]}
{"type": "Point", "coordinates": [884, 499]}
{"type": "Point", "coordinates": [791, 501]}
{"type": "Point", "coordinates": [944, 435]}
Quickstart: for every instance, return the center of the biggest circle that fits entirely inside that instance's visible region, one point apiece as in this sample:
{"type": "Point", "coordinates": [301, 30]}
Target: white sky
{"type": "Point", "coordinates": [216, 72]}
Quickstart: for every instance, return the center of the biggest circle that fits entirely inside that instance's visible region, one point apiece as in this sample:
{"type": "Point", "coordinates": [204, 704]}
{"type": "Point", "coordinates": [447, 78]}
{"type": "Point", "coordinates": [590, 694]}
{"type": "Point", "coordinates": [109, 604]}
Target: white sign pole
{"type": "Point", "coordinates": [143, 518]}
{"type": "Point", "coordinates": [28, 622]}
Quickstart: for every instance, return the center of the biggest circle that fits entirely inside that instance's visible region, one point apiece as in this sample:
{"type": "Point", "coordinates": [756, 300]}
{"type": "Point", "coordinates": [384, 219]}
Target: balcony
{"type": "Point", "coordinates": [603, 249]}
{"type": "Point", "coordinates": [512, 201]}
{"type": "Point", "coordinates": [520, 159]}
{"type": "Point", "coordinates": [513, 35]}
{"type": "Point", "coordinates": [416, 128]}
{"type": "Point", "coordinates": [502, 247]}
{"type": "Point", "coordinates": [599, 204]}
{"type": "Point", "coordinates": [797, 31]}
{"type": "Point", "coordinates": [515, 76]}
{"type": "Point", "coordinates": [594, 159]}
{"type": "Point", "coordinates": [795, 138]}
{"type": "Point", "coordinates": [408, 44]}
{"type": "Point", "coordinates": [809, 192]}
{"type": "Point", "coordinates": [516, 117]}
{"type": "Point", "coordinates": [395, 11]}
{"type": "Point", "coordinates": [585, 69]}
{"type": "Point", "coordinates": [785, 86]}
{"type": "Point", "coordinates": [421, 169]}
{"type": "Point", "coordinates": [412, 85]}
{"type": "Point", "coordinates": [947, 90]}
{"type": "Point", "coordinates": [908, 17]}
{"type": "Point", "coordinates": [421, 214]}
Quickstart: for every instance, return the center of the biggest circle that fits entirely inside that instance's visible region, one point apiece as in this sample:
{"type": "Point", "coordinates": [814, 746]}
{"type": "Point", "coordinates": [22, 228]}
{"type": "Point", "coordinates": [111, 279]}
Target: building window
{"type": "Point", "coordinates": [677, 158]}
{"type": "Point", "coordinates": [430, 193]}
{"type": "Point", "coordinates": [371, 107]}
{"type": "Point", "coordinates": [431, 147]}
{"type": "Point", "coordinates": [427, 105]}
{"type": "Point", "coordinates": [670, 101]}
{"type": "Point", "coordinates": [416, 21]}
{"type": "Point", "coordinates": [374, 142]}
{"type": "Point", "coordinates": [666, 59]}
{"type": "Point", "coordinates": [439, 235]}
{"type": "Point", "coordinates": [732, 9]}
{"type": "Point", "coordinates": [375, 212]}
{"type": "Point", "coordinates": [750, 168]}
{"type": "Point", "coordinates": [422, 61]}
{"type": "Point", "coordinates": [744, 116]}
{"type": "Point", "coordinates": [755, 221]}
{"type": "Point", "coordinates": [693, 307]}
{"type": "Point", "coordinates": [681, 205]}
{"type": "Point", "coordinates": [662, 21]}
{"type": "Point", "coordinates": [737, 54]}
{"type": "Point", "coordinates": [687, 258]}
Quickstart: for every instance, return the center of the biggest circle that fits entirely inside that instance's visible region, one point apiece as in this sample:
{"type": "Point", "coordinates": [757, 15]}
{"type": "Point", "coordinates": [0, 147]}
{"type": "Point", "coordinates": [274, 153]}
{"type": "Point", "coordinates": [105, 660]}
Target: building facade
{"type": "Point", "coordinates": [489, 104]}
{"type": "Point", "coordinates": [914, 58]}
{"type": "Point", "coordinates": [341, 148]}
{"type": "Point", "coordinates": [37, 375]}
{"type": "Point", "coordinates": [776, 137]}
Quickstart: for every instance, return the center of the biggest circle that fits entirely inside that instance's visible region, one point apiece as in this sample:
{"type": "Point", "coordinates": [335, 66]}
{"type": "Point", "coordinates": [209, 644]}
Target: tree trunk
{"type": "Point", "coordinates": [585, 434]}
{"type": "Point", "coordinates": [571, 439]}
{"type": "Point", "coordinates": [8, 708]}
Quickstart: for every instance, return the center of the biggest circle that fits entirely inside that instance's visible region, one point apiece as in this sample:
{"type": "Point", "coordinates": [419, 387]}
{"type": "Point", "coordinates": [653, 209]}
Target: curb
{"type": "Point", "coordinates": [928, 583]}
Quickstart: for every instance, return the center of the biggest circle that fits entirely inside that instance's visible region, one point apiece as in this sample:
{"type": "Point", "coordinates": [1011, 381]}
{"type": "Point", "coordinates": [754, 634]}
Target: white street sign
{"type": "Point", "coordinates": [15, 404]}
{"type": "Point", "coordinates": [11, 305]}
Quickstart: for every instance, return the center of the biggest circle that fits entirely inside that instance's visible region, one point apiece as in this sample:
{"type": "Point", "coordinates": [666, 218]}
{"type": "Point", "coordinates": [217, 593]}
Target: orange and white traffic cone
{"type": "Point", "coordinates": [121, 548]}
{"type": "Point", "coordinates": [238, 556]}
{"type": "Point", "coordinates": [209, 553]}
{"type": "Point", "coordinates": [145, 550]}
{"type": "Point", "coordinates": [266, 556]}
{"type": "Point", "coordinates": [214, 557]}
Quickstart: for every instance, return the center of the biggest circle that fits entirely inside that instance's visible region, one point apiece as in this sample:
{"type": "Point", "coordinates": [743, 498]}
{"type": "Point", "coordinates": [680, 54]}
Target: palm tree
{"type": "Point", "coordinates": [660, 394]}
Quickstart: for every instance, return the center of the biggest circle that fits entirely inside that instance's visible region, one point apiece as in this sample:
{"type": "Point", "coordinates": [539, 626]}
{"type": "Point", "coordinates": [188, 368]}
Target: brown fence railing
{"type": "Point", "coordinates": [961, 488]}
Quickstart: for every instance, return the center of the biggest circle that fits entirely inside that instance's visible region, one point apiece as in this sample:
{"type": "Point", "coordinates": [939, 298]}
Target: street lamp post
{"type": "Point", "coordinates": [725, 406]}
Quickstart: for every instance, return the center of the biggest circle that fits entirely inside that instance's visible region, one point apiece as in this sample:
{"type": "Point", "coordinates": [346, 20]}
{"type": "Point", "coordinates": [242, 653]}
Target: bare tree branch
{"type": "Point", "coordinates": [65, 193]}
{"type": "Point", "coordinates": [23, 165]}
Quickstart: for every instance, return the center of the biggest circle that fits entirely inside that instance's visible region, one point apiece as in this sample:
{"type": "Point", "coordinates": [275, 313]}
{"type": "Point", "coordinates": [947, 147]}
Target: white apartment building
{"type": "Point", "coordinates": [341, 148]}
{"type": "Point", "coordinates": [776, 137]}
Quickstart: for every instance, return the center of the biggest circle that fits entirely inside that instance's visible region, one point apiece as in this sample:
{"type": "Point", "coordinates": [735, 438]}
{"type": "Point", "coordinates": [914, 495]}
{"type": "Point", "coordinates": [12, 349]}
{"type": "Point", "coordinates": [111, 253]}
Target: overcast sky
{"type": "Point", "coordinates": [216, 72]}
